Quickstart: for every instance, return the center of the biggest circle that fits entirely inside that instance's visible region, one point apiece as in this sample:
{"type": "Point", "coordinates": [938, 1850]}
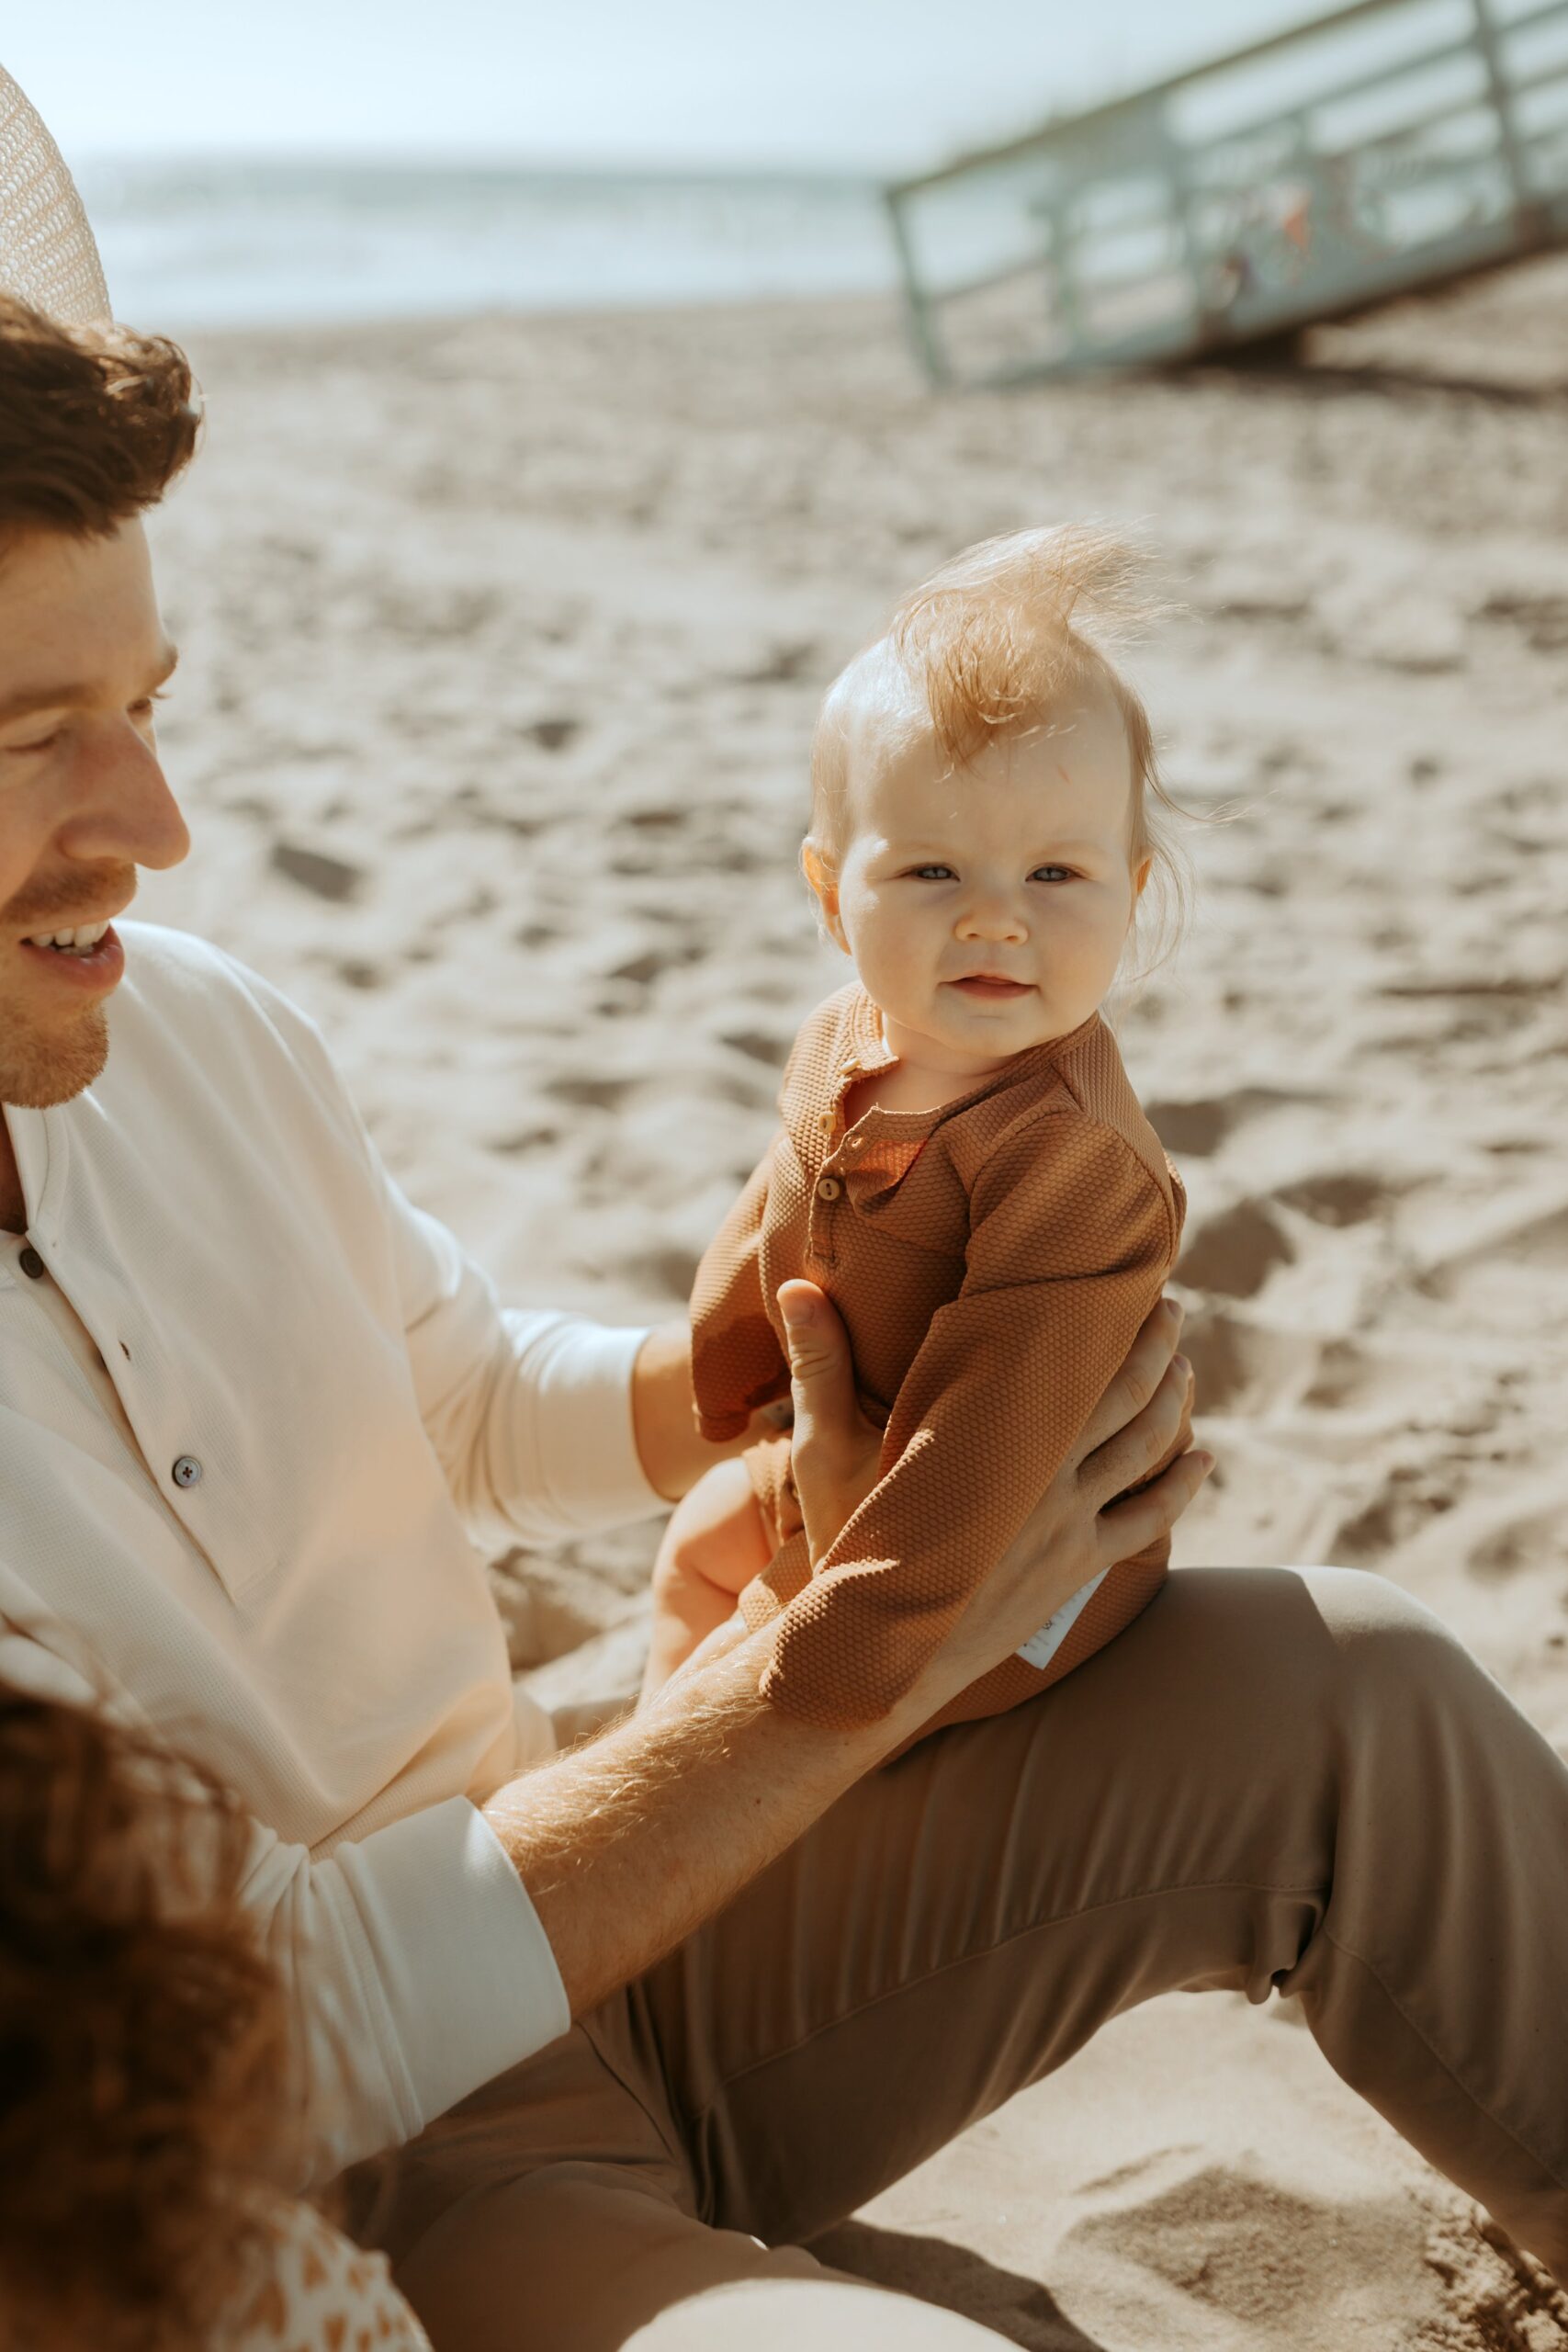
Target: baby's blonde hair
{"type": "Point", "coordinates": [990, 644]}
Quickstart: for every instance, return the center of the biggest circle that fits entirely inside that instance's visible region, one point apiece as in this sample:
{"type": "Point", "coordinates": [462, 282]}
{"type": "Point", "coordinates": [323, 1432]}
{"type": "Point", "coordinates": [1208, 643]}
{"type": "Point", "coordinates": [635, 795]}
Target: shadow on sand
{"type": "Point", "coordinates": [1019, 2310]}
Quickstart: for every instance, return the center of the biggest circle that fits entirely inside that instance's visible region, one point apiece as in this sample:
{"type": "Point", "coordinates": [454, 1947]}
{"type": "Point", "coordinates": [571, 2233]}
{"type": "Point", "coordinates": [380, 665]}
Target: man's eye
{"type": "Point", "coordinates": [42, 743]}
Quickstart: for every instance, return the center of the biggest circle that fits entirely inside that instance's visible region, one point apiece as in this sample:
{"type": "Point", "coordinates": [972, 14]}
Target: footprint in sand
{"type": "Point", "coordinates": [525, 1139]}
{"type": "Point", "coordinates": [644, 970]}
{"type": "Point", "coordinates": [590, 1094]}
{"type": "Point", "coordinates": [553, 734]}
{"type": "Point", "coordinates": [1196, 1128]}
{"type": "Point", "coordinates": [1340, 1196]}
{"type": "Point", "coordinates": [1518, 1542]}
{"type": "Point", "coordinates": [1409, 1499]}
{"type": "Point", "coordinates": [758, 1046]}
{"type": "Point", "coordinates": [325, 878]}
{"type": "Point", "coordinates": [1234, 1251]}
{"type": "Point", "coordinates": [1241, 1366]}
{"type": "Point", "coordinates": [662, 1273]}
{"type": "Point", "coordinates": [1542, 621]}
{"type": "Point", "coordinates": [1507, 1276]}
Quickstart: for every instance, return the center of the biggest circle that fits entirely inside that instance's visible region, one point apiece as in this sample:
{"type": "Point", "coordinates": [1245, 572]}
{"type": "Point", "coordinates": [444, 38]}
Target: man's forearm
{"type": "Point", "coordinates": [674, 1456]}
{"type": "Point", "coordinates": [627, 1845]}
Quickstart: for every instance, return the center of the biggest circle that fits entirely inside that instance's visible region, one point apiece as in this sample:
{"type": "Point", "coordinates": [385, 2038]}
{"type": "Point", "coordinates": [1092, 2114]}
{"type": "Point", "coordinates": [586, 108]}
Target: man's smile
{"type": "Point", "coordinates": [89, 956]}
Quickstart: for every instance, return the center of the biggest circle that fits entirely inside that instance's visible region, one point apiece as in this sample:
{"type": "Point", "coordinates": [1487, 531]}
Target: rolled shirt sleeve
{"type": "Point", "coordinates": [415, 1969]}
{"type": "Point", "coordinates": [412, 1962]}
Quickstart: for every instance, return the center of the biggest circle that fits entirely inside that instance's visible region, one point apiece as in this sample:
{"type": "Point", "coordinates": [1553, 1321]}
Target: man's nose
{"type": "Point", "coordinates": [119, 802]}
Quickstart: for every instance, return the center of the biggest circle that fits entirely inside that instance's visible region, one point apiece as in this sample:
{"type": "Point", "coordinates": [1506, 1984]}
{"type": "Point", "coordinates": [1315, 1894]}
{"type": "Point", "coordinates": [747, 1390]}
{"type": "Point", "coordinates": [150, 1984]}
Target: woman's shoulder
{"type": "Point", "coordinates": [319, 2292]}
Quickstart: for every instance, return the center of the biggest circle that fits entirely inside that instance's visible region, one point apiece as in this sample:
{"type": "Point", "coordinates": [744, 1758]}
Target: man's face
{"type": "Point", "coordinates": [82, 799]}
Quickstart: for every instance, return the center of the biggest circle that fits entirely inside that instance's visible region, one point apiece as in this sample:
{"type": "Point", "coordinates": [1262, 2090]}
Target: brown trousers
{"type": "Point", "coordinates": [1276, 1780]}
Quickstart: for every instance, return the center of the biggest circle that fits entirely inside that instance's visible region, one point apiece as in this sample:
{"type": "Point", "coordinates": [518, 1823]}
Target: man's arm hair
{"type": "Point", "coordinates": [627, 1844]}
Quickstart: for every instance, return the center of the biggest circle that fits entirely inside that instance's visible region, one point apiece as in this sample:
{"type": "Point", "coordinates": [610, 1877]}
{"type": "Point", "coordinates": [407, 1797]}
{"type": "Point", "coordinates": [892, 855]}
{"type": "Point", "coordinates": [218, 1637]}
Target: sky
{"type": "Point", "coordinates": [861, 84]}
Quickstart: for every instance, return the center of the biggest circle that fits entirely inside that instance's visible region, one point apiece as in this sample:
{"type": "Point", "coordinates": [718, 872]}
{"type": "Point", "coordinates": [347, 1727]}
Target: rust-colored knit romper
{"type": "Point", "coordinates": [992, 1261]}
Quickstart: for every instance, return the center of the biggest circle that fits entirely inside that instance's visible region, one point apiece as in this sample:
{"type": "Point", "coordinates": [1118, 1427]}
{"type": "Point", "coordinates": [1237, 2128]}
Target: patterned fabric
{"type": "Point", "coordinates": [322, 2294]}
{"type": "Point", "coordinates": [992, 1261]}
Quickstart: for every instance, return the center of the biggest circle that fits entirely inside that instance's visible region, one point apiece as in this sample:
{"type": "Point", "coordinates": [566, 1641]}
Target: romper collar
{"type": "Point", "coordinates": [866, 1051]}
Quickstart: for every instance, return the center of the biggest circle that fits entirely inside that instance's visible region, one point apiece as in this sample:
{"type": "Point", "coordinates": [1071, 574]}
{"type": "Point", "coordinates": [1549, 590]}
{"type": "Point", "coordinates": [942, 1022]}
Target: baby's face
{"type": "Point", "coordinates": [986, 908]}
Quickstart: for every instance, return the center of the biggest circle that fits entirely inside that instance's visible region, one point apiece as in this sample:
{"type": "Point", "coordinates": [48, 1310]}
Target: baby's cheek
{"type": "Point", "coordinates": [882, 951]}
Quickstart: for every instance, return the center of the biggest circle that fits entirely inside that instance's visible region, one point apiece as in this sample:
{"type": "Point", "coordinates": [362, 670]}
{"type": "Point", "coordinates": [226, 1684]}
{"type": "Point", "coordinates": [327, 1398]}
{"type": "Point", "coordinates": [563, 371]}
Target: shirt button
{"type": "Point", "coordinates": [826, 1120]}
{"type": "Point", "coordinates": [31, 1264]}
{"type": "Point", "coordinates": [829, 1188]}
{"type": "Point", "coordinates": [186, 1471]}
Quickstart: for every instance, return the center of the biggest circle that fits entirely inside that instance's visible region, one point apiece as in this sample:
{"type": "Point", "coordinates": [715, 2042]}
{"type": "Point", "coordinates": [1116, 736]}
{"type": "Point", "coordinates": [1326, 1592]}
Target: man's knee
{"type": "Point", "coordinates": [1385, 1650]}
{"type": "Point", "coordinates": [1373, 1619]}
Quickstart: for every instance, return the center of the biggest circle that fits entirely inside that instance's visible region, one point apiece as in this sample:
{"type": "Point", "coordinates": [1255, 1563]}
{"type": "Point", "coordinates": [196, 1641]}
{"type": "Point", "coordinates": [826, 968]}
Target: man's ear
{"type": "Point", "coordinates": [824, 879]}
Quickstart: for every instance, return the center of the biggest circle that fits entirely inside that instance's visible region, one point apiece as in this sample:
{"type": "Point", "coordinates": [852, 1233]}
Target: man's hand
{"type": "Point", "coordinates": [627, 1843]}
{"type": "Point", "coordinates": [835, 1451]}
{"type": "Point", "coordinates": [1087, 1520]}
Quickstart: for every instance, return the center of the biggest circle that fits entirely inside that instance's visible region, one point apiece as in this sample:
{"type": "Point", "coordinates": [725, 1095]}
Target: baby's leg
{"type": "Point", "coordinates": [715, 1542]}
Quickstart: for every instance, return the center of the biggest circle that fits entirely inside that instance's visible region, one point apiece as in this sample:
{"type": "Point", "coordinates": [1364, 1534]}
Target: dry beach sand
{"type": "Point", "coordinates": [502, 648]}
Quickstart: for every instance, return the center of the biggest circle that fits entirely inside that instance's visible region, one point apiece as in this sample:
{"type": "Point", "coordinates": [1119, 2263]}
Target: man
{"type": "Point", "coordinates": [635, 2011]}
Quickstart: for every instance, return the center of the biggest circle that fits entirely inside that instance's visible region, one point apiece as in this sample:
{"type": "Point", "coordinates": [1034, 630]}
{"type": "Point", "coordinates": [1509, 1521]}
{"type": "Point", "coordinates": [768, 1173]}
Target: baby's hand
{"type": "Point", "coordinates": [714, 1545]}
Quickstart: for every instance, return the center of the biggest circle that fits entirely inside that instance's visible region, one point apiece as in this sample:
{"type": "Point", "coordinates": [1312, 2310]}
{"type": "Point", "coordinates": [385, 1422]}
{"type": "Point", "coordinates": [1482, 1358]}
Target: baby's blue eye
{"type": "Point", "coordinates": [1052, 873]}
{"type": "Point", "coordinates": [933, 873]}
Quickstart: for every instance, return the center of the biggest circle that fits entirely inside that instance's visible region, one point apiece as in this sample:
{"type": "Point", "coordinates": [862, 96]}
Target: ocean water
{"type": "Point", "coordinates": [261, 243]}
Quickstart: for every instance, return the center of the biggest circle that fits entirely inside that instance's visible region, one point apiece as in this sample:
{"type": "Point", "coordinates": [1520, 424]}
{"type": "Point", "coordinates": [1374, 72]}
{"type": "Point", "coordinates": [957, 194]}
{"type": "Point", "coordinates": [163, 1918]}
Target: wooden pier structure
{"type": "Point", "coordinates": [1390, 146]}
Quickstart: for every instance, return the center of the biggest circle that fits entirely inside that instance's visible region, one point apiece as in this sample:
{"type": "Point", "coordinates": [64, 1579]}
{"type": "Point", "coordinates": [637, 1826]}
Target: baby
{"type": "Point", "coordinates": [963, 1166]}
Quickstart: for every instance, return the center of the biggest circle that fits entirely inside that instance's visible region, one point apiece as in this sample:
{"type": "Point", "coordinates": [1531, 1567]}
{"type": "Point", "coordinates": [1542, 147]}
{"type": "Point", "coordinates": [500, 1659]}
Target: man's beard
{"type": "Point", "coordinates": [36, 1072]}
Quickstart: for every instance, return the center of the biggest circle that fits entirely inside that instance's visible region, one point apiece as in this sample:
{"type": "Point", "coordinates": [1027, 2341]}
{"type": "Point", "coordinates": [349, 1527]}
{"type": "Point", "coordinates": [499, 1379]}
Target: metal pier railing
{"type": "Point", "coordinates": [1387, 147]}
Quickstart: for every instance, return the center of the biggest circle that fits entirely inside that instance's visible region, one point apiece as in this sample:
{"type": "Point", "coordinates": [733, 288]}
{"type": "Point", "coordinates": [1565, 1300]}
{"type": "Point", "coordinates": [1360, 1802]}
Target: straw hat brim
{"type": "Point", "coordinates": [47, 256]}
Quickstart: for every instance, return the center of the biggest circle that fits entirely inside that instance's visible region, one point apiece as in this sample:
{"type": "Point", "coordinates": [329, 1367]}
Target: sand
{"type": "Point", "coordinates": [502, 646]}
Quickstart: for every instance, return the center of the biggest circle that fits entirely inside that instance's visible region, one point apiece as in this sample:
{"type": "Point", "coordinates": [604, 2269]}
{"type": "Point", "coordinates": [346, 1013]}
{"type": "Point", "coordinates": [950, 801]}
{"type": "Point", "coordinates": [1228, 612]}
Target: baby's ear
{"type": "Point", "coordinates": [823, 878]}
{"type": "Point", "coordinates": [1141, 873]}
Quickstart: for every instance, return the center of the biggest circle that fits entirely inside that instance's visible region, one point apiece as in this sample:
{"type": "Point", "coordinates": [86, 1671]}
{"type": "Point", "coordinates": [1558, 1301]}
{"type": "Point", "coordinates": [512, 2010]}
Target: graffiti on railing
{"type": "Point", "coordinates": [1327, 217]}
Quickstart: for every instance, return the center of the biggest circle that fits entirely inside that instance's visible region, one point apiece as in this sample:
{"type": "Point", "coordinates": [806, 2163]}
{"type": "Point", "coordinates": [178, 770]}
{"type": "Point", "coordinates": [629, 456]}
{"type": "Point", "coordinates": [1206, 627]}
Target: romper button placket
{"type": "Point", "coordinates": [186, 1471]}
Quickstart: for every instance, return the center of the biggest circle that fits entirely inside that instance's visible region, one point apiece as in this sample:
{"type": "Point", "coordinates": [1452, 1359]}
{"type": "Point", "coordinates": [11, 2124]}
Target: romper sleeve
{"type": "Point", "coordinates": [737, 1361]}
{"type": "Point", "coordinates": [1071, 1238]}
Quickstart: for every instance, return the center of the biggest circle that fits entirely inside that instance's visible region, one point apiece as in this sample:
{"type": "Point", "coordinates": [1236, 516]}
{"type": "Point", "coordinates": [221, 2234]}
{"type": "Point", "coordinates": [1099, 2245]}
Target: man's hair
{"type": "Point", "coordinates": [987, 648]}
{"type": "Point", "coordinates": [95, 422]}
{"type": "Point", "coordinates": [143, 2072]}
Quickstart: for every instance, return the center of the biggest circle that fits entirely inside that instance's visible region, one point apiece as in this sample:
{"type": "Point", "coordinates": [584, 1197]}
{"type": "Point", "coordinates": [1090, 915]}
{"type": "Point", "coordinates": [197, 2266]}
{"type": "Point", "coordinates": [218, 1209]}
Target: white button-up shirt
{"type": "Point", "coordinates": [256, 1413]}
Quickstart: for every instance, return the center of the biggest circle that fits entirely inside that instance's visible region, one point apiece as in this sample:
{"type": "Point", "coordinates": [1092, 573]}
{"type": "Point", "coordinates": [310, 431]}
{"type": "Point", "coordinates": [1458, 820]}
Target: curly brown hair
{"type": "Point", "coordinates": [95, 422]}
{"type": "Point", "coordinates": [143, 2056]}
